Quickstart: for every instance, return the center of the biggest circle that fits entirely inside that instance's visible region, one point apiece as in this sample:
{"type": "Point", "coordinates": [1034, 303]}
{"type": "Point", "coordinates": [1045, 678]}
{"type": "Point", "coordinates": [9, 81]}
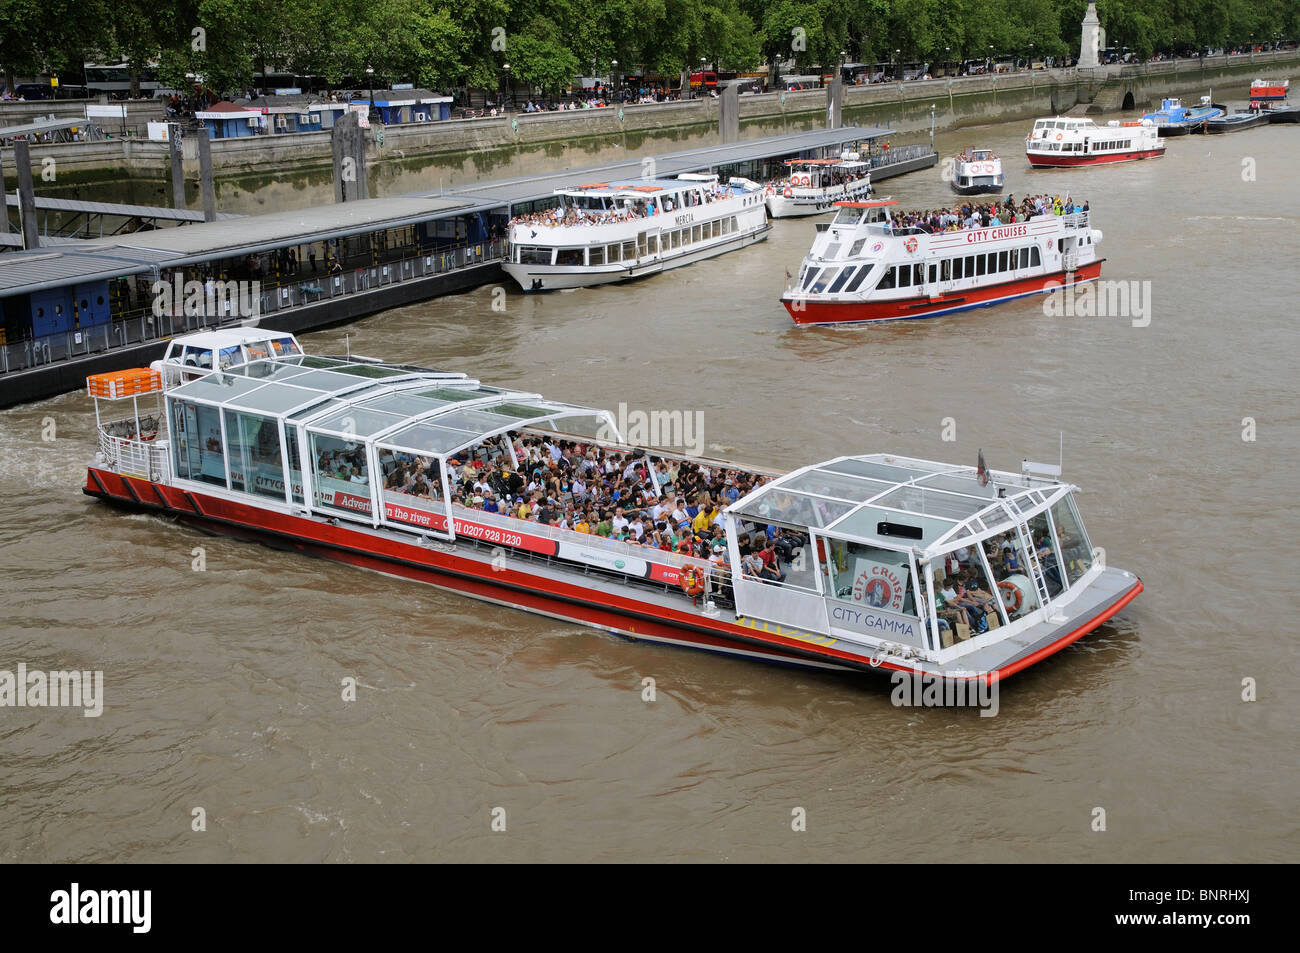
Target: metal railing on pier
{"type": "Point", "coordinates": [282, 293]}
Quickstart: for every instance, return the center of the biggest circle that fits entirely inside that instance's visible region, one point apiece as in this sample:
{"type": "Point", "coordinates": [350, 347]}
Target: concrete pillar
{"type": "Point", "coordinates": [348, 141]}
{"type": "Point", "coordinates": [729, 115]}
{"type": "Point", "coordinates": [835, 103]}
{"type": "Point", "coordinates": [205, 176]}
{"type": "Point", "coordinates": [178, 168]}
{"type": "Point", "coordinates": [4, 199]}
{"type": "Point", "coordinates": [26, 195]}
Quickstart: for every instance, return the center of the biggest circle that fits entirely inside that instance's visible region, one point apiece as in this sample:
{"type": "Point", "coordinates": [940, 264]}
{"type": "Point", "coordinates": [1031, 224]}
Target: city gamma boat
{"type": "Point", "coordinates": [861, 562]}
{"type": "Point", "coordinates": [603, 232]}
{"type": "Point", "coordinates": [869, 265]}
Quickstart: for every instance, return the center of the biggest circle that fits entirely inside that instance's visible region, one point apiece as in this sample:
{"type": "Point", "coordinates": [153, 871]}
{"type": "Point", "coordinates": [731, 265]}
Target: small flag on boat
{"type": "Point", "coordinates": [982, 471]}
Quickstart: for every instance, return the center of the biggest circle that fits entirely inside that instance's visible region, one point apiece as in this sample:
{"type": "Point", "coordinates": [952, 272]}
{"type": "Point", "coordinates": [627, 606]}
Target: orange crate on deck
{"type": "Point", "coordinates": [129, 383]}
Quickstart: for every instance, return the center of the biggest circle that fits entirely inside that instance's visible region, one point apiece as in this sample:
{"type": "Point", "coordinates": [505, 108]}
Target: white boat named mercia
{"type": "Point", "coordinates": [813, 186]}
{"type": "Point", "coordinates": [867, 265]}
{"type": "Point", "coordinates": [604, 232]}
{"type": "Point", "coordinates": [977, 172]}
{"type": "Point", "coordinates": [1065, 141]}
{"type": "Point", "coordinates": [860, 562]}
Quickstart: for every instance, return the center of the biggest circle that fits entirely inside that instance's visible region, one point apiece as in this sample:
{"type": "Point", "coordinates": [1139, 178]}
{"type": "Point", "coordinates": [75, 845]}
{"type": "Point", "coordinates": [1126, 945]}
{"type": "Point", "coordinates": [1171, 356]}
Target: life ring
{"type": "Point", "coordinates": [1060, 136]}
{"type": "Point", "coordinates": [692, 582]}
{"type": "Point", "coordinates": [788, 192]}
{"type": "Point", "coordinates": [1011, 595]}
{"type": "Point", "coordinates": [910, 245]}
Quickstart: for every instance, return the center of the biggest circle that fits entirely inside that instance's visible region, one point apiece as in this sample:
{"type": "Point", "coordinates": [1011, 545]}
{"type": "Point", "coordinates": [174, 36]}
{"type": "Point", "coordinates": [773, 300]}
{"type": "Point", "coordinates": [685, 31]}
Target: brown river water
{"type": "Point", "coordinates": [222, 688]}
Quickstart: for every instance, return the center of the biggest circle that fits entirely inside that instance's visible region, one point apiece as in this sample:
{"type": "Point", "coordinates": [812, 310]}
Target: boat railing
{"type": "Point", "coordinates": [590, 540]}
{"type": "Point", "coordinates": [1075, 220]}
{"type": "Point", "coordinates": [146, 459]}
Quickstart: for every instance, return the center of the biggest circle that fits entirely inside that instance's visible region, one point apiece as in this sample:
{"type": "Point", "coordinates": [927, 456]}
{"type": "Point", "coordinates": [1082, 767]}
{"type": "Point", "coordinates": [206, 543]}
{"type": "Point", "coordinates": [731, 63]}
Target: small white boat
{"type": "Point", "coordinates": [1069, 141]}
{"type": "Point", "coordinates": [813, 186]}
{"type": "Point", "coordinates": [603, 232]}
{"type": "Point", "coordinates": [977, 172]}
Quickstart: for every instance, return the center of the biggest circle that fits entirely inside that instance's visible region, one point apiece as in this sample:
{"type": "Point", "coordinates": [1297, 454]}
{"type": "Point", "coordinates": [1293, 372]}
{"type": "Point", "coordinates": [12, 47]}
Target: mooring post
{"type": "Point", "coordinates": [729, 114]}
{"type": "Point", "coordinates": [348, 141]}
{"type": "Point", "coordinates": [26, 195]}
{"type": "Point", "coordinates": [178, 168]}
{"type": "Point", "coordinates": [205, 176]}
{"type": "Point", "coordinates": [834, 103]}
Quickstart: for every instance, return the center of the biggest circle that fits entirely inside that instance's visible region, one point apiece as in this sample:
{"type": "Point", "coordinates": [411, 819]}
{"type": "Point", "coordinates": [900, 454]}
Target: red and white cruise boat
{"type": "Point", "coordinates": [314, 454]}
{"type": "Point", "coordinates": [864, 267]}
{"type": "Point", "coordinates": [1070, 141]}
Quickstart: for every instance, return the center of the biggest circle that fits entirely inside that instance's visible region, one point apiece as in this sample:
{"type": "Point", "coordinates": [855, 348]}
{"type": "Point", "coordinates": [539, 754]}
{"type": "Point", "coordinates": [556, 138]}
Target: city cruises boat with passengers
{"type": "Point", "coordinates": [977, 172]}
{"type": "Point", "coordinates": [1069, 141]}
{"type": "Point", "coordinates": [603, 232]}
{"type": "Point", "coordinates": [1175, 119]}
{"type": "Point", "coordinates": [860, 562]}
{"type": "Point", "coordinates": [869, 264]}
{"type": "Point", "coordinates": [813, 186]}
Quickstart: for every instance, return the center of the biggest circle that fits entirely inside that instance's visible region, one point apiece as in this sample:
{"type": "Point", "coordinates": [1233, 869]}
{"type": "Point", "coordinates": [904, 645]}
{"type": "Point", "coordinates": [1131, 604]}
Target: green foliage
{"type": "Point", "coordinates": [548, 43]}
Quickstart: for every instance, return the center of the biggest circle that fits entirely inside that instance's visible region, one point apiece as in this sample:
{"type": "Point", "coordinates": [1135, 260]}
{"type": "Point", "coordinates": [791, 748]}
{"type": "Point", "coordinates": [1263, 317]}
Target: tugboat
{"type": "Point", "coordinates": [1175, 119]}
{"type": "Point", "coordinates": [867, 265]}
{"type": "Point", "coordinates": [1269, 97]}
{"type": "Point", "coordinates": [1070, 141]}
{"type": "Point", "coordinates": [977, 172]}
{"type": "Point", "coordinates": [375, 465]}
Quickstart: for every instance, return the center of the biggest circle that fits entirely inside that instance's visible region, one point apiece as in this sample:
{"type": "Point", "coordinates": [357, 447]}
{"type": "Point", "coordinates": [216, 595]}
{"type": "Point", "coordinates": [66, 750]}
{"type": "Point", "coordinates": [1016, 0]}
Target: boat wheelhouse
{"type": "Point", "coordinates": [977, 172]}
{"type": "Point", "coordinates": [1268, 96]}
{"type": "Point", "coordinates": [196, 355]}
{"type": "Point", "coordinates": [813, 186]}
{"type": "Point", "coordinates": [865, 265]}
{"type": "Point", "coordinates": [888, 562]}
{"type": "Point", "coordinates": [602, 232]}
{"type": "Point", "coordinates": [1066, 141]}
{"type": "Point", "coordinates": [1175, 119]}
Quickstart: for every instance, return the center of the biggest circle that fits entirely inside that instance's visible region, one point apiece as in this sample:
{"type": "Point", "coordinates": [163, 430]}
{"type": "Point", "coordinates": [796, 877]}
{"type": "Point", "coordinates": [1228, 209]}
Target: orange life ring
{"type": "Point", "coordinates": [1060, 136]}
{"type": "Point", "coordinates": [788, 192]}
{"type": "Point", "coordinates": [1010, 590]}
{"type": "Point", "coordinates": [692, 583]}
{"type": "Point", "coordinates": [910, 245]}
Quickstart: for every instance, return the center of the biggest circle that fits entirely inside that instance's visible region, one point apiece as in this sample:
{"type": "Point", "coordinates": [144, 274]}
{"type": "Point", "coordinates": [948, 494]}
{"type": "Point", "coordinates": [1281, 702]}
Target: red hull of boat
{"type": "Point", "coordinates": [1069, 160]}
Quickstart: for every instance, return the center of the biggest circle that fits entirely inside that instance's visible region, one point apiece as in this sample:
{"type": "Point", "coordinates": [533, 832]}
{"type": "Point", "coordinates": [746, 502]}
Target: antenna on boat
{"type": "Point", "coordinates": [1060, 453]}
{"type": "Point", "coordinates": [347, 344]}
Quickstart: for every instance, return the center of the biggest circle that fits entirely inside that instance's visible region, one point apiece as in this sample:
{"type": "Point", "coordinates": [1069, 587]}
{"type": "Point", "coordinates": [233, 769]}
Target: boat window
{"type": "Point", "coordinates": [979, 265]}
{"type": "Point", "coordinates": [198, 357]}
{"type": "Point", "coordinates": [596, 255]}
{"type": "Point", "coordinates": [832, 251]}
{"type": "Point", "coordinates": [993, 262]}
{"type": "Point", "coordinates": [968, 270]}
{"type": "Point", "coordinates": [1076, 553]}
{"type": "Point", "coordinates": [869, 577]}
{"type": "Point", "coordinates": [918, 274]}
{"type": "Point", "coordinates": [839, 282]}
{"type": "Point", "coordinates": [340, 476]}
{"type": "Point", "coordinates": [934, 273]}
{"type": "Point", "coordinates": [887, 279]}
{"type": "Point", "coordinates": [283, 347]}
{"type": "Point", "coordinates": [827, 275]}
{"type": "Point", "coordinates": [629, 251]}
{"type": "Point", "coordinates": [412, 483]}
{"type": "Point", "coordinates": [529, 255]}
{"type": "Point", "coordinates": [615, 253]}
{"type": "Point", "coordinates": [856, 248]}
{"type": "Point", "coordinates": [1040, 534]}
{"type": "Point", "coordinates": [1010, 564]}
{"type": "Point", "coordinates": [696, 235]}
{"type": "Point", "coordinates": [569, 256]}
{"type": "Point", "coordinates": [903, 278]}
{"type": "Point", "coordinates": [847, 216]}
{"type": "Point", "coordinates": [253, 443]}
{"type": "Point", "coordinates": [810, 277]}
{"type": "Point", "coordinates": [295, 461]}
{"type": "Point", "coordinates": [858, 278]}
{"type": "Point", "coordinates": [963, 591]}
{"type": "Point", "coordinates": [945, 269]}
{"type": "Point", "coordinates": [1038, 259]}
{"type": "Point", "coordinates": [198, 453]}
{"type": "Point", "coordinates": [735, 226]}
{"type": "Point", "coordinates": [230, 356]}
{"type": "Point", "coordinates": [1002, 261]}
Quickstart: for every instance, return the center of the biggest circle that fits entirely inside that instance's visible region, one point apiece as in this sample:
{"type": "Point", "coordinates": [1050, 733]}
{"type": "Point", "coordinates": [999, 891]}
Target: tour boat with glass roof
{"type": "Point", "coordinates": [813, 186]}
{"type": "Point", "coordinates": [867, 265]}
{"type": "Point", "coordinates": [977, 172]}
{"type": "Point", "coordinates": [603, 232]}
{"type": "Point", "coordinates": [860, 562]}
{"type": "Point", "coordinates": [1067, 141]}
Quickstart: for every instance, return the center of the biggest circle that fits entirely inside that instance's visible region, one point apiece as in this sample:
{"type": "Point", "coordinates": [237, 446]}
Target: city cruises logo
{"type": "Point", "coordinates": [1098, 299]}
{"type": "Point", "coordinates": [917, 689]}
{"type": "Point", "coordinates": [879, 585]}
{"type": "Point", "coordinates": [667, 429]}
{"type": "Point", "coordinates": [35, 688]}
{"type": "Point", "coordinates": [225, 300]}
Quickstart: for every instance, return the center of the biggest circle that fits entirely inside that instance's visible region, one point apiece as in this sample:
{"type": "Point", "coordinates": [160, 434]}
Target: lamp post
{"type": "Point", "coordinates": [988, 63]}
{"type": "Point", "coordinates": [778, 70]}
{"type": "Point", "coordinates": [613, 68]}
{"type": "Point", "coordinates": [898, 59]}
{"type": "Point", "coordinates": [371, 112]}
{"type": "Point", "coordinates": [510, 92]}
{"type": "Point", "coordinates": [1031, 57]}
{"type": "Point", "coordinates": [702, 62]}
{"type": "Point", "coordinates": [947, 61]}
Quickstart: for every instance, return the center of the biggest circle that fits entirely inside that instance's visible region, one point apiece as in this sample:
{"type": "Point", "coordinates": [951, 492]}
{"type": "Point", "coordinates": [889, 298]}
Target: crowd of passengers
{"type": "Point", "coordinates": [569, 215]}
{"type": "Point", "coordinates": [586, 488]}
{"type": "Point", "coordinates": [970, 215]}
{"type": "Point", "coordinates": [960, 595]}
